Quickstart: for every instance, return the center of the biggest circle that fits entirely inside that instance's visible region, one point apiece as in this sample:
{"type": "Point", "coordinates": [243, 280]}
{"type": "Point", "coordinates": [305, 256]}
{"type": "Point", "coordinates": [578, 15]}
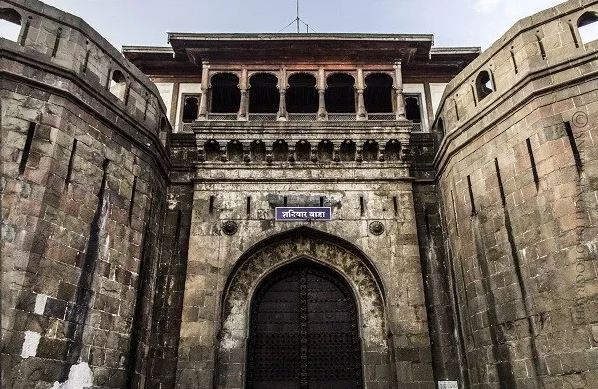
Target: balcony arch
{"type": "Point", "coordinates": [264, 96]}
{"type": "Point", "coordinates": [302, 96]}
{"type": "Point", "coordinates": [378, 93]}
{"type": "Point", "coordinates": [10, 21]}
{"type": "Point", "coordinates": [587, 25]}
{"type": "Point", "coordinates": [484, 84]}
{"type": "Point", "coordinates": [226, 96]}
{"type": "Point", "coordinates": [340, 93]}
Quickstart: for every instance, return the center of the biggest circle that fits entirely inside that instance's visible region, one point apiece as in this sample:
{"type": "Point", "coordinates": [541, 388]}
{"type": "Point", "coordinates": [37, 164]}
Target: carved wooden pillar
{"type": "Point", "coordinates": [282, 88]}
{"type": "Point", "coordinates": [243, 86]}
{"type": "Point", "coordinates": [361, 113]}
{"type": "Point", "coordinates": [398, 86]}
{"type": "Point", "coordinates": [321, 86]}
{"type": "Point", "coordinates": [205, 87]}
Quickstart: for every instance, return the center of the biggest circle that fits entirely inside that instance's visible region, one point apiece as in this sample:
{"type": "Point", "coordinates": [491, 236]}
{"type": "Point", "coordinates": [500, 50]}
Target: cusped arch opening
{"type": "Point", "coordinates": [225, 94]}
{"type": "Point", "coordinates": [304, 233]}
{"type": "Point", "coordinates": [278, 251]}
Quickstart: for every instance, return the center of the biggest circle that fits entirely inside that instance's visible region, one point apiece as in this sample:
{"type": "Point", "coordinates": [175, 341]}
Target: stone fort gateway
{"type": "Point", "coordinates": [299, 211]}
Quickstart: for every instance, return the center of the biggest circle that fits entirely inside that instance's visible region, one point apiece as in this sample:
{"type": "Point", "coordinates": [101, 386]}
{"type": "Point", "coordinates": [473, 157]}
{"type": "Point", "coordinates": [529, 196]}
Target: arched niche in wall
{"type": "Point", "coordinates": [587, 25]}
{"type": "Point", "coordinates": [370, 151]}
{"type": "Point", "coordinates": [257, 151]}
{"type": "Point", "coordinates": [225, 93]}
{"type": "Point", "coordinates": [340, 93]}
{"type": "Point", "coordinates": [325, 151]}
{"type": "Point", "coordinates": [280, 151]}
{"type": "Point", "coordinates": [348, 151]}
{"type": "Point", "coordinates": [212, 150]}
{"type": "Point", "coordinates": [303, 151]}
{"type": "Point", "coordinates": [234, 151]}
{"type": "Point", "coordinates": [378, 93]}
{"type": "Point", "coordinates": [302, 96]}
{"type": "Point", "coordinates": [10, 24]}
{"type": "Point", "coordinates": [264, 96]}
{"type": "Point", "coordinates": [392, 150]}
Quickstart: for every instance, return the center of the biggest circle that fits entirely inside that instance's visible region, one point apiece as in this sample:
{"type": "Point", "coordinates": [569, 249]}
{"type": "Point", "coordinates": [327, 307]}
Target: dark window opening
{"type": "Point", "coordinates": [378, 93]}
{"type": "Point", "coordinates": [348, 150]}
{"type": "Point", "coordinates": [340, 94]}
{"type": "Point", "coordinates": [190, 109]}
{"type": "Point", "coordinates": [226, 96]}
{"type": "Point", "coordinates": [303, 151]}
{"type": "Point", "coordinates": [10, 24]}
{"type": "Point", "coordinates": [118, 84]}
{"type": "Point", "coordinates": [212, 150]}
{"type": "Point", "coordinates": [263, 94]}
{"type": "Point", "coordinates": [484, 85]}
{"type": "Point", "coordinates": [392, 151]}
{"type": "Point", "coordinates": [370, 150]}
{"type": "Point", "coordinates": [234, 150]}
{"type": "Point", "coordinates": [413, 109]}
{"type": "Point", "coordinates": [280, 150]}
{"type": "Point", "coordinates": [439, 132]}
{"type": "Point", "coordinates": [302, 96]}
{"type": "Point", "coordinates": [587, 25]}
{"type": "Point", "coordinates": [258, 151]}
{"type": "Point", "coordinates": [325, 151]}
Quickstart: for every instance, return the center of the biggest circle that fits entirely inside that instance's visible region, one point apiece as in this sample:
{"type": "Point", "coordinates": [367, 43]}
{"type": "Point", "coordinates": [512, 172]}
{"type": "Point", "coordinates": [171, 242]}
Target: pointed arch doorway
{"type": "Point", "coordinates": [304, 331]}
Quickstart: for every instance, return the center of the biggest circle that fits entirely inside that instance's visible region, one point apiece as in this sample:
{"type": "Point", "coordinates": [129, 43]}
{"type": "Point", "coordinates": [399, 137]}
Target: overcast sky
{"type": "Point", "coordinates": [453, 22]}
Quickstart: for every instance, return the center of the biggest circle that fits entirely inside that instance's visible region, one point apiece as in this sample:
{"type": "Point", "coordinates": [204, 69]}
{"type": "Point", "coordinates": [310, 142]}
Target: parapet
{"type": "Point", "coordinates": [538, 53]}
{"type": "Point", "coordinates": [48, 35]}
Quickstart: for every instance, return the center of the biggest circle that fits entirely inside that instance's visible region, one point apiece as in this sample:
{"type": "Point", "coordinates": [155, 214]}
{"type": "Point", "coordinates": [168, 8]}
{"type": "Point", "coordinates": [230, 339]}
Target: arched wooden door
{"type": "Point", "coordinates": [304, 332]}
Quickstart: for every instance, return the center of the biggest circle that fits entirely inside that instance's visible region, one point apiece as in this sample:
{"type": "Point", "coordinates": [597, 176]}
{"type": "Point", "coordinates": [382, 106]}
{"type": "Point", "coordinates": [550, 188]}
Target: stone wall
{"type": "Point", "coordinates": [83, 202]}
{"type": "Point", "coordinates": [235, 242]}
{"type": "Point", "coordinates": [516, 177]}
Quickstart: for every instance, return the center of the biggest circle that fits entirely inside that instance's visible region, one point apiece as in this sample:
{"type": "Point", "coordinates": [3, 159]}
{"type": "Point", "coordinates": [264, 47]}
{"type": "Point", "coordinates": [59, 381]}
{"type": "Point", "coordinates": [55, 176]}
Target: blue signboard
{"type": "Point", "coordinates": [293, 214]}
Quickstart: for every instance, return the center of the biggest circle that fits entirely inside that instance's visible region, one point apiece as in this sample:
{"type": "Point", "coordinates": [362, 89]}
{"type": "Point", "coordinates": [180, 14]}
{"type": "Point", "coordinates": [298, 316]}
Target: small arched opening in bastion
{"type": "Point", "coordinates": [118, 84]}
{"type": "Point", "coordinates": [10, 24]}
{"type": "Point", "coordinates": [484, 85]}
{"type": "Point", "coordinates": [587, 24]}
{"type": "Point", "coordinates": [297, 287]}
